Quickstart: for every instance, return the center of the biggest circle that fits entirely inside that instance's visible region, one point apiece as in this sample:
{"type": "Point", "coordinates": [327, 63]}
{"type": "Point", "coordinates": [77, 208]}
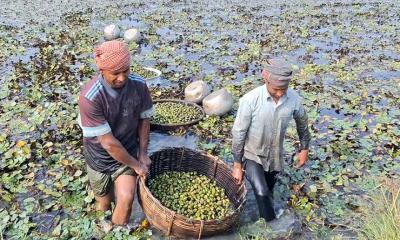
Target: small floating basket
{"type": "Point", "coordinates": [141, 70]}
{"type": "Point", "coordinates": [155, 71]}
{"type": "Point", "coordinates": [167, 127]}
{"type": "Point", "coordinates": [186, 160]}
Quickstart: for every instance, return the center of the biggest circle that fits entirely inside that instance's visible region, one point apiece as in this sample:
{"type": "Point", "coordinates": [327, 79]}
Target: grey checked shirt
{"type": "Point", "coordinates": [260, 127]}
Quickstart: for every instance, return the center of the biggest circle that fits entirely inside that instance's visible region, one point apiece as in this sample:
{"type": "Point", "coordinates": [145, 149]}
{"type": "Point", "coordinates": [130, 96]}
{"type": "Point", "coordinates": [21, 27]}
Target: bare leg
{"type": "Point", "coordinates": [104, 203]}
{"type": "Point", "coordinates": [125, 187]}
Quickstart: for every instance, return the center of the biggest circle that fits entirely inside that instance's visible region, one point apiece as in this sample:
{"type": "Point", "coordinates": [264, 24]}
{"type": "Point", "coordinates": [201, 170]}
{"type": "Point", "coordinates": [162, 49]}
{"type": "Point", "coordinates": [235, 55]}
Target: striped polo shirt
{"type": "Point", "coordinates": [103, 109]}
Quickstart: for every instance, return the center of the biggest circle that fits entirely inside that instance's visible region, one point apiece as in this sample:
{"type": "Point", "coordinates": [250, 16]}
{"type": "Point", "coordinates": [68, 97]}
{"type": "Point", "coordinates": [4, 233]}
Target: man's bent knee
{"type": "Point", "coordinates": [125, 198]}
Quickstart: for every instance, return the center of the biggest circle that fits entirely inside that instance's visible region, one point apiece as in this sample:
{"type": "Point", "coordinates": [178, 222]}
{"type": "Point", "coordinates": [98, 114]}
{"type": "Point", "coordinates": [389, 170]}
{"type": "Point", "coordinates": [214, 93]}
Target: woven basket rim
{"type": "Point", "coordinates": [237, 210]}
{"type": "Point", "coordinates": [180, 124]}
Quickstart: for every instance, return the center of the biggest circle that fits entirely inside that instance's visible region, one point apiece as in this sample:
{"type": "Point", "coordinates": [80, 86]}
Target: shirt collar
{"type": "Point", "coordinates": [269, 97]}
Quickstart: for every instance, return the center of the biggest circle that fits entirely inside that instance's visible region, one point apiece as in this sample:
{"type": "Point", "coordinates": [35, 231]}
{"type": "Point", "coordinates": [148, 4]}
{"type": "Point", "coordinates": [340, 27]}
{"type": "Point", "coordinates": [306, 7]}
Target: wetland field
{"type": "Point", "coordinates": [347, 60]}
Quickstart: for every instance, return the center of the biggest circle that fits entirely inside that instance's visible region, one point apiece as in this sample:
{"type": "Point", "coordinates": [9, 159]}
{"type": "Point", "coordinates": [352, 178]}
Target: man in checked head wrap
{"type": "Point", "coordinates": [114, 111]}
{"type": "Point", "coordinates": [113, 59]}
{"type": "Point", "coordinates": [259, 130]}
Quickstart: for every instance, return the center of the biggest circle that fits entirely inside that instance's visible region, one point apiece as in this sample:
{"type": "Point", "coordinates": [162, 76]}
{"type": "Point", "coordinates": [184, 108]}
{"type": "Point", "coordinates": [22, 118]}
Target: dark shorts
{"type": "Point", "coordinates": [102, 183]}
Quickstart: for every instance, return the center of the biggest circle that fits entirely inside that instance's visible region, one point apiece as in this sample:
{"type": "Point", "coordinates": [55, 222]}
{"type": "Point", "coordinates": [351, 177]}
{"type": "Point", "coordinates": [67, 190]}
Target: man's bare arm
{"type": "Point", "coordinates": [119, 153]}
{"type": "Point", "coordinates": [144, 131]}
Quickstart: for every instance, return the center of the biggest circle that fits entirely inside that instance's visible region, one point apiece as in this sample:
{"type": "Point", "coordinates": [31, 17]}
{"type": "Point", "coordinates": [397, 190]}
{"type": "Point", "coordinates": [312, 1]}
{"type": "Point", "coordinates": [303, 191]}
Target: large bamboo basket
{"type": "Point", "coordinates": [183, 159]}
{"type": "Point", "coordinates": [167, 127]}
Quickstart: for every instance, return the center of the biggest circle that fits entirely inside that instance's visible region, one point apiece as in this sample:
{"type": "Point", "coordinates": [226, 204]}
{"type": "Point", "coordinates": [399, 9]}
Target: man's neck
{"type": "Point", "coordinates": [276, 100]}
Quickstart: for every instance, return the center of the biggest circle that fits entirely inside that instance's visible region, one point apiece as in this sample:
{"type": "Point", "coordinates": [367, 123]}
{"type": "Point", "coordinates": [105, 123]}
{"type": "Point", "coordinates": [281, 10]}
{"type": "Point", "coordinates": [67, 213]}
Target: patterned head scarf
{"type": "Point", "coordinates": [112, 56]}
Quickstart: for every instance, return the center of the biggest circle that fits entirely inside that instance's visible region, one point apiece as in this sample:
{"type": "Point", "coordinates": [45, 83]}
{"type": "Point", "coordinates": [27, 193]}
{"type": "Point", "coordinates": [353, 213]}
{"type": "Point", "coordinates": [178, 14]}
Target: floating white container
{"type": "Point", "coordinates": [218, 103]}
{"type": "Point", "coordinates": [197, 91]}
{"type": "Point", "coordinates": [132, 35]}
{"type": "Point", "coordinates": [111, 32]}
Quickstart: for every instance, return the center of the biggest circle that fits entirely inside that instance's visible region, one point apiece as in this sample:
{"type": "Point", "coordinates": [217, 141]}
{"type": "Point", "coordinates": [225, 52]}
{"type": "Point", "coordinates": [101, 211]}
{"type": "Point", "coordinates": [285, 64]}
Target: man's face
{"type": "Point", "coordinates": [275, 92]}
{"type": "Point", "coordinates": [116, 79]}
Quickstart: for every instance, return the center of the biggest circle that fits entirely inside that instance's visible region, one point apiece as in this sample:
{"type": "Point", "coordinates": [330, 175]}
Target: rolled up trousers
{"type": "Point", "coordinates": [262, 183]}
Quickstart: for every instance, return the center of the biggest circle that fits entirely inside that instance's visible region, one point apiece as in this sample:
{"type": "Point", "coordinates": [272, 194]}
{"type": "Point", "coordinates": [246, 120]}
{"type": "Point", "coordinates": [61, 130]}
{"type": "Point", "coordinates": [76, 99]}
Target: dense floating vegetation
{"type": "Point", "coordinates": [348, 76]}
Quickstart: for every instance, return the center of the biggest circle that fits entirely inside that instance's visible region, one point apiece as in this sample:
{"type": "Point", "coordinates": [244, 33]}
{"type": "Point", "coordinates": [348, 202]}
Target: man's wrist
{"type": "Point", "coordinates": [134, 162]}
{"type": "Point", "coordinates": [304, 146]}
{"type": "Point", "coordinates": [237, 165]}
{"type": "Point", "coordinates": [143, 152]}
{"type": "Point", "coordinates": [237, 157]}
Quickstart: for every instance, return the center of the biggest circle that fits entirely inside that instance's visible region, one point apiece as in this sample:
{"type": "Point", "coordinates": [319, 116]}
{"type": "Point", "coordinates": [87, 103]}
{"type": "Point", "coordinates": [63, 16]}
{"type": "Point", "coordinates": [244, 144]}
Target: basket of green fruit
{"type": "Point", "coordinates": [171, 114]}
{"type": "Point", "coordinates": [189, 193]}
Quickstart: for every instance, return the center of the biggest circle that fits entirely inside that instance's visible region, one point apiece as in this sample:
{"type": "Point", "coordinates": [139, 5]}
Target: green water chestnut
{"type": "Point", "coordinates": [174, 113]}
{"type": "Point", "coordinates": [192, 195]}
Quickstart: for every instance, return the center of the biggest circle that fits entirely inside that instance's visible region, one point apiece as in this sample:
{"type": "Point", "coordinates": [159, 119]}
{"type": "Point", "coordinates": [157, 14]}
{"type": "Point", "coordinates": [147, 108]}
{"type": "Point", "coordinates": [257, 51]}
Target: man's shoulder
{"type": "Point", "coordinates": [293, 94]}
{"type": "Point", "coordinates": [91, 88]}
{"type": "Point", "coordinates": [137, 80]}
{"type": "Point", "coordinates": [253, 94]}
{"type": "Point", "coordinates": [137, 85]}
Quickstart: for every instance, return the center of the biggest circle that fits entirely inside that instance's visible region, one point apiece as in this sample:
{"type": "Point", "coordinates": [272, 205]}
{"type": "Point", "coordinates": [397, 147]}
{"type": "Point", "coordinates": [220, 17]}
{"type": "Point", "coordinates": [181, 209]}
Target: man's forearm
{"type": "Point", "coordinates": [121, 155]}
{"type": "Point", "coordinates": [238, 141]}
{"type": "Point", "coordinates": [237, 157]}
{"type": "Point", "coordinates": [144, 131]}
{"type": "Point", "coordinates": [238, 148]}
{"type": "Point", "coordinates": [303, 131]}
{"type": "Point", "coordinates": [239, 130]}
{"type": "Point", "coordinates": [304, 137]}
{"type": "Point", "coordinates": [117, 151]}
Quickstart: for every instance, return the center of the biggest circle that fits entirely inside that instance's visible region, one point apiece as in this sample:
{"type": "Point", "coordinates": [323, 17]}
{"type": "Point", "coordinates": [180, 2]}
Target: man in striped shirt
{"type": "Point", "coordinates": [115, 107]}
